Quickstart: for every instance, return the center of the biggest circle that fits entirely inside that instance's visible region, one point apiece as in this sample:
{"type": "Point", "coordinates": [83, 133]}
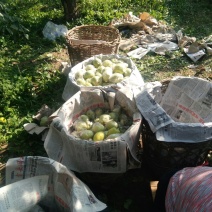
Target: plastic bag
{"type": "Point", "coordinates": [51, 31]}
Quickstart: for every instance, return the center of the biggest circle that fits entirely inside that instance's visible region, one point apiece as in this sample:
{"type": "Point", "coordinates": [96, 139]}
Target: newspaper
{"type": "Point", "coordinates": [194, 56]}
{"type": "Point", "coordinates": [147, 98]}
{"type": "Point", "coordinates": [138, 53]}
{"type": "Point", "coordinates": [71, 87]}
{"type": "Point", "coordinates": [184, 114]}
{"type": "Point", "coordinates": [34, 183]}
{"type": "Point", "coordinates": [23, 195]}
{"type": "Point", "coordinates": [108, 156]}
{"type": "Point", "coordinates": [157, 47]}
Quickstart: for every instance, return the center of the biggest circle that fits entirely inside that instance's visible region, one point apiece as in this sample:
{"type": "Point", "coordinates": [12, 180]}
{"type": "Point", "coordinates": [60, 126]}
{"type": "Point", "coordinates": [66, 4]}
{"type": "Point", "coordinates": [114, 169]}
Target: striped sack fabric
{"type": "Point", "coordinates": [190, 190]}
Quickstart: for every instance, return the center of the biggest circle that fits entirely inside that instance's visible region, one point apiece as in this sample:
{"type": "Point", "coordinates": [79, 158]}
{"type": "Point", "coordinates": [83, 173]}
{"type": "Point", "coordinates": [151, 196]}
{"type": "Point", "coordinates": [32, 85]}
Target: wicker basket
{"type": "Point", "coordinates": [160, 156]}
{"type": "Point", "coordinates": [88, 40]}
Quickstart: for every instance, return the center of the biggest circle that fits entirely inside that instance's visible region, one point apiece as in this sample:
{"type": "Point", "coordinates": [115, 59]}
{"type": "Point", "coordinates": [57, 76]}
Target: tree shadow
{"type": "Point", "coordinates": [193, 16]}
{"type": "Point", "coordinates": [130, 191]}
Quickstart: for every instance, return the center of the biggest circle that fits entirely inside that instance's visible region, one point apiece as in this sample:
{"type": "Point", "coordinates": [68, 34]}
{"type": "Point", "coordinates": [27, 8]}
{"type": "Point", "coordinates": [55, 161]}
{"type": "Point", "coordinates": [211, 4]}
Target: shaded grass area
{"type": "Point", "coordinates": [128, 192]}
{"type": "Point", "coordinates": [192, 16]}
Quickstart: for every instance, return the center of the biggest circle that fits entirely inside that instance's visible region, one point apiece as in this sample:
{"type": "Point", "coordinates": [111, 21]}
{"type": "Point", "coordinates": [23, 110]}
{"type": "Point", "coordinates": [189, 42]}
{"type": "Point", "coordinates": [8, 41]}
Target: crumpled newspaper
{"type": "Point", "coordinates": [65, 68]}
{"type": "Point", "coordinates": [157, 47]}
{"type": "Point", "coordinates": [138, 53]}
{"type": "Point", "coordinates": [194, 49]}
{"type": "Point", "coordinates": [44, 111]}
{"type": "Point", "coordinates": [146, 32]}
{"type": "Point", "coordinates": [207, 44]}
{"type": "Point", "coordinates": [144, 22]}
{"type": "Point", "coordinates": [194, 53]}
{"type": "Point", "coordinates": [162, 48]}
{"type": "Point", "coordinates": [32, 128]}
{"type": "Point", "coordinates": [127, 18]}
{"type": "Point", "coordinates": [184, 40]}
{"type": "Point", "coordinates": [51, 31]}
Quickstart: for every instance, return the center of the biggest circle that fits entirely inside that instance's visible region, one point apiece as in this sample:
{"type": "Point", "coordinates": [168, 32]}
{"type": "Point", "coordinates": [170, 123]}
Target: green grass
{"type": "Point", "coordinates": [29, 75]}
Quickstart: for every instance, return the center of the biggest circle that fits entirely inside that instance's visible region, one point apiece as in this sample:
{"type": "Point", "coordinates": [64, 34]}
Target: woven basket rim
{"type": "Point", "coordinates": [116, 40]}
{"type": "Point", "coordinates": [93, 25]}
{"type": "Point", "coordinates": [103, 40]}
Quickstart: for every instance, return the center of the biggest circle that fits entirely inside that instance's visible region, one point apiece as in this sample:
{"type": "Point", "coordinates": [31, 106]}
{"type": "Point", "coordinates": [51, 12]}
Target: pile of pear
{"type": "Point", "coordinates": [101, 124]}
